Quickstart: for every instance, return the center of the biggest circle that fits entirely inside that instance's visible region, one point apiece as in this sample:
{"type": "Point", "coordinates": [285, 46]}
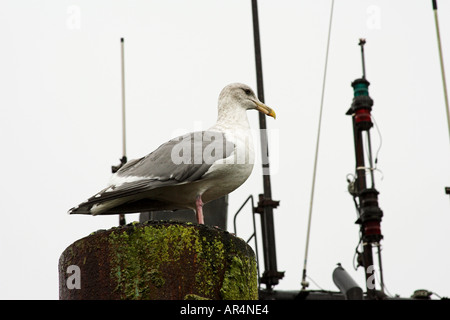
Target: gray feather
{"type": "Point", "coordinates": [183, 159]}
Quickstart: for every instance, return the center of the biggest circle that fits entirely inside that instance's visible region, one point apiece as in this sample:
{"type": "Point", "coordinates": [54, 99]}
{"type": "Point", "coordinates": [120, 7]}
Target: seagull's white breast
{"type": "Point", "coordinates": [226, 175]}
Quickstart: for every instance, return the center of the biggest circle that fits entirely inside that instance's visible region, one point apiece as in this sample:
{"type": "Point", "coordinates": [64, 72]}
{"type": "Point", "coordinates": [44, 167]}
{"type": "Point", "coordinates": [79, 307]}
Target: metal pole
{"type": "Point", "coordinates": [304, 283]}
{"type": "Point", "coordinates": [362, 42]}
{"type": "Point", "coordinates": [122, 220]}
{"type": "Point", "coordinates": [361, 185]}
{"type": "Point", "coordinates": [271, 275]}
{"type": "Point", "coordinates": [124, 142]}
{"type": "Point", "coordinates": [369, 212]}
{"type": "Point", "coordinates": [380, 265]}
{"type": "Point", "coordinates": [441, 59]}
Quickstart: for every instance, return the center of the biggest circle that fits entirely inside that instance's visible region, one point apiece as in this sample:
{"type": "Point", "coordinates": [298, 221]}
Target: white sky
{"type": "Point", "coordinates": [60, 123]}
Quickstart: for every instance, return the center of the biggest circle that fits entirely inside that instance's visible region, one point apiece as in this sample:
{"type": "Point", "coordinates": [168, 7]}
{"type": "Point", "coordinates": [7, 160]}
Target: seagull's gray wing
{"type": "Point", "coordinates": [181, 160]}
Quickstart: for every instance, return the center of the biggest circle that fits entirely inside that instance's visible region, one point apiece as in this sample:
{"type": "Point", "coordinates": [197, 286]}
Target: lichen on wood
{"type": "Point", "coordinates": [168, 260]}
{"type": "Point", "coordinates": [240, 278]}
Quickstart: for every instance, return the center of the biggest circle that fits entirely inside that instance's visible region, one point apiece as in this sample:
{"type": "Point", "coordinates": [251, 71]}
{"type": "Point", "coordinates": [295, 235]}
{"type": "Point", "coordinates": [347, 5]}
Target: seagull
{"type": "Point", "coordinates": [190, 170]}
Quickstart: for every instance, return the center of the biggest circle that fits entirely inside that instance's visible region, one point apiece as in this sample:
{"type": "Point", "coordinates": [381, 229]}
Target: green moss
{"type": "Point", "coordinates": [240, 280]}
{"type": "Point", "coordinates": [191, 296]}
{"type": "Point", "coordinates": [156, 278]}
{"type": "Point", "coordinates": [134, 248]}
{"type": "Point", "coordinates": [142, 254]}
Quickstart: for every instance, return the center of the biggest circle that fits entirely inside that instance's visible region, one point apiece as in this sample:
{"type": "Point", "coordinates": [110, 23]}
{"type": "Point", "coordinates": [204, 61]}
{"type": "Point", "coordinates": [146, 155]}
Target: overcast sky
{"type": "Point", "coordinates": [60, 123]}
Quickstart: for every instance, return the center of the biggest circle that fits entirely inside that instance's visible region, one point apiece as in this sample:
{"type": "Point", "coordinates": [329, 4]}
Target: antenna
{"type": "Point", "coordinates": [369, 213]}
{"type": "Point", "coordinates": [441, 59]}
{"type": "Point", "coordinates": [444, 82]}
{"type": "Point", "coordinates": [123, 160]}
{"type": "Point", "coordinates": [305, 283]}
{"type": "Point", "coordinates": [362, 42]}
{"type": "Point", "coordinates": [124, 141]}
{"type": "Point", "coordinates": [271, 275]}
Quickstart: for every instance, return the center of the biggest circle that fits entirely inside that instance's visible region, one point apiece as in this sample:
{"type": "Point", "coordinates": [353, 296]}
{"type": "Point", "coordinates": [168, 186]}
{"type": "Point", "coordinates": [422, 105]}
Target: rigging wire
{"type": "Point", "coordinates": [356, 254]}
{"type": "Point", "coordinates": [312, 280]}
{"type": "Point", "coordinates": [372, 168]}
{"type": "Point", "coordinates": [441, 59]}
{"type": "Point", "coordinates": [380, 142]}
{"type": "Point", "coordinates": [304, 282]}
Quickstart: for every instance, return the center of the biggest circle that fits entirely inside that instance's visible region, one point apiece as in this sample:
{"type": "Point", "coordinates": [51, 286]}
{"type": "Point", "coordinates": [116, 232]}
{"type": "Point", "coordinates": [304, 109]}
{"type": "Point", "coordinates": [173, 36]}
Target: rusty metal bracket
{"type": "Point", "coordinates": [263, 202]}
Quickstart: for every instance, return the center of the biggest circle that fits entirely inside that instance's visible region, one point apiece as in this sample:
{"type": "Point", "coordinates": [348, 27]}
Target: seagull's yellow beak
{"type": "Point", "coordinates": [261, 107]}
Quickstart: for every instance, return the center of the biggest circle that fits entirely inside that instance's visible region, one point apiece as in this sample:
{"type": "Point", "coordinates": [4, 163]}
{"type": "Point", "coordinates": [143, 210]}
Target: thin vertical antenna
{"type": "Point", "coordinates": [444, 83]}
{"type": "Point", "coordinates": [124, 143]}
{"type": "Point", "coordinates": [304, 282]}
{"type": "Point", "coordinates": [122, 220]}
{"type": "Point", "coordinates": [362, 42]}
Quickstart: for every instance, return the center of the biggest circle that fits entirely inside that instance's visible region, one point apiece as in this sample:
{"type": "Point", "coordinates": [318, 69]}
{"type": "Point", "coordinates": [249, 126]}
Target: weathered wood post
{"type": "Point", "coordinates": [158, 260]}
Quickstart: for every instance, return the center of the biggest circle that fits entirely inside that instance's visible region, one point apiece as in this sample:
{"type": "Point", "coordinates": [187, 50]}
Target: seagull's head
{"type": "Point", "coordinates": [243, 96]}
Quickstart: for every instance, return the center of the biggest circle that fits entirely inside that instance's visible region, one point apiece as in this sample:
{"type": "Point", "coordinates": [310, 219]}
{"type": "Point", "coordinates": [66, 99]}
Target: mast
{"type": "Point", "coordinates": [369, 213]}
{"type": "Point", "coordinates": [266, 205]}
{"type": "Point", "coordinates": [124, 141]}
{"type": "Point", "coordinates": [123, 160]}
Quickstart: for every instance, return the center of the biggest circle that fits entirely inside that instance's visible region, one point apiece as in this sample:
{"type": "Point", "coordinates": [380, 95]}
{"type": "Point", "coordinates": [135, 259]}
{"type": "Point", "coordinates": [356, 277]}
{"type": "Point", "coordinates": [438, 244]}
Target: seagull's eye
{"type": "Point", "coordinates": [247, 91]}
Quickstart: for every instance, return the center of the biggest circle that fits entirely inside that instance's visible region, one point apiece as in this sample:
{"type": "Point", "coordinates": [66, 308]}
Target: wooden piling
{"type": "Point", "coordinates": [158, 261]}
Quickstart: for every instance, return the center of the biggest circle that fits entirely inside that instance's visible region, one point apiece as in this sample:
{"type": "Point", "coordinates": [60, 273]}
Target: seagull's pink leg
{"type": "Point", "coordinates": [199, 209]}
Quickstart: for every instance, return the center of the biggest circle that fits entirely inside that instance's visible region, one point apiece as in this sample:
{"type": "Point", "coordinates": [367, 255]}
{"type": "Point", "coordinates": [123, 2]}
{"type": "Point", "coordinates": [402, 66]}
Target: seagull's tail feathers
{"type": "Point", "coordinates": [130, 198]}
{"type": "Point", "coordinates": [95, 208]}
{"type": "Point", "coordinates": [121, 207]}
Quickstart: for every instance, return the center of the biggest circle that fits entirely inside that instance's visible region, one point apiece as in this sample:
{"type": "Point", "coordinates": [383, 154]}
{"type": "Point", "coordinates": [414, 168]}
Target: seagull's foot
{"type": "Point", "coordinates": [199, 209]}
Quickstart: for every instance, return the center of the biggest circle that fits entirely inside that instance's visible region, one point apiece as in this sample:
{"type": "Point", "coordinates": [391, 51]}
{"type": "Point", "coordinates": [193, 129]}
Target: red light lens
{"type": "Point", "coordinates": [372, 228]}
{"type": "Point", "coordinates": [362, 115]}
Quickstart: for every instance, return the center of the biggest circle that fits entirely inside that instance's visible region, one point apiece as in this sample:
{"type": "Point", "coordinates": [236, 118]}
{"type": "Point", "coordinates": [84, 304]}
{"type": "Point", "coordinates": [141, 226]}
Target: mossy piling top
{"type": "Point", "coordinates": [159, 260]}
